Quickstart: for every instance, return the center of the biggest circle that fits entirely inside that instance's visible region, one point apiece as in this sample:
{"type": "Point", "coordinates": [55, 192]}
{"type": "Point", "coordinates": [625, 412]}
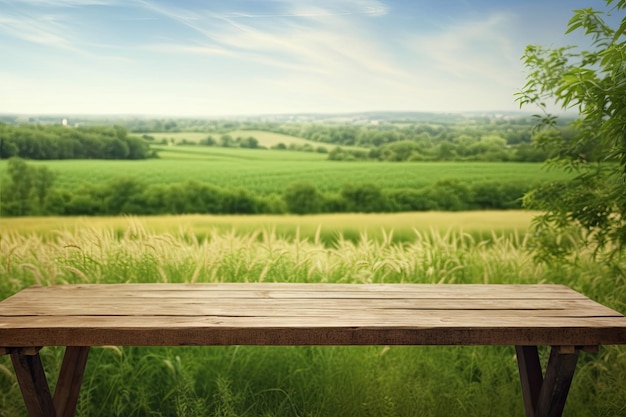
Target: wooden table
{"type": "Point", "coordinates": [525, 316]}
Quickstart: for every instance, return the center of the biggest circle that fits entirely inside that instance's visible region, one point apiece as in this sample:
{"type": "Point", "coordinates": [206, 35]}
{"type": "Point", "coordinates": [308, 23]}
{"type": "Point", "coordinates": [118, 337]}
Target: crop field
{"type": "Point", "coordinates": [270, 139]}
{"type": "Point", "coordinates": [178, 137]}
{"type": "Point", "coordinates": [251, 381]}
{"type": "Point", "coordinates": [271, 171]}
{"type": "Point", "coordinates": [266, 139]}
{"type": "Point", "coordinates": [327, 228]}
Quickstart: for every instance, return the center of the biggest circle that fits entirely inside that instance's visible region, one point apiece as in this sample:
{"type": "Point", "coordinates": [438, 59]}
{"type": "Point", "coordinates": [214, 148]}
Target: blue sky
{"type": "Point", "coordinates": [210, 58]}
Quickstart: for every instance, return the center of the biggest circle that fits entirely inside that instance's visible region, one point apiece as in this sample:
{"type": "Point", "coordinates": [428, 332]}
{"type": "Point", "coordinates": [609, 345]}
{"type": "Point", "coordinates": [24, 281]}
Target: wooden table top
{"type": "Point", "coordinates": [305, 314]}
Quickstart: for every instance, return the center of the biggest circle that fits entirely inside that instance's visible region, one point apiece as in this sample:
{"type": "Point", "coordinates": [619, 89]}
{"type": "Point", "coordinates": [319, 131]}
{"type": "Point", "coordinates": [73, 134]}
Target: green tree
{"type": "Point", "coordinates": [227, 141]}
{"type": "Point", "coordinates": [25, 191]}
{"type": "Point", "coordinates": [249, 142]}
{"type": "Point", "coordinates": [303, 198]}
{"type": "Point", "coordinates": [7, 148]}
{"type": "Point", "coordinates": [593, 82]}
{"type": "Point", "coordinates": [364, 198]}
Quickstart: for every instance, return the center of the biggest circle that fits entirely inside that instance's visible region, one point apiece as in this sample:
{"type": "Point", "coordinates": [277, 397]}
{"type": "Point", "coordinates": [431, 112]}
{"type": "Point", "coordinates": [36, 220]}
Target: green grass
{"type": "Point", "coordinates": [178, 137]}
{"type": "Point", "coordinates": [397, 227]}
{"type": "Point", "coordinates": [213, 153]}
{"type": "Point", "coordinates": [304, 381]}
{"type": "Point", "coordinates": [269, 171]}
{"type": "Point", "coordinates": [265, 138]}
{"type": "Point", "coordinates": [270, 139]}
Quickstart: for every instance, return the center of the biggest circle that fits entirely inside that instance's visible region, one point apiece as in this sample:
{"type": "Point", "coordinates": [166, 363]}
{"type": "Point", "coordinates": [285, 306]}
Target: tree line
{"type": "Point", "coordinates": [447, 139]}
{"type": "Point", "coordinates": [30, 190]}
{"type": "Point", "coordinates": [60, 142]}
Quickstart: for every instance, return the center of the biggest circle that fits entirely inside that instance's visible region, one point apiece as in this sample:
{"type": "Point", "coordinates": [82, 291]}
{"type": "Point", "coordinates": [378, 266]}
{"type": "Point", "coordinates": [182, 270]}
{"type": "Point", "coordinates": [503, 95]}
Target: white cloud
{"type": "Point", "coordinates": [62, 3]}
{"type": "Point", "coordinates": [293, 55]}
{"type": "Point", "coordinates": [319, 36]}
{"type": "Point", "coordinates": [472, 50]}
{"type": "Point", "coordinates": [45, 30]}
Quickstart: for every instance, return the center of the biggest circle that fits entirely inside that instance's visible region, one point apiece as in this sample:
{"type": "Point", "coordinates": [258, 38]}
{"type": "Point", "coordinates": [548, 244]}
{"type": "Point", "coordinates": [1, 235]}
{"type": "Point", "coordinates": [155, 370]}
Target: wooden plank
{"type": "Point", "coordinates": [323, 287]}
{"type": "Point", "coordinates": [35, 305]}
{"type": "Point", "coordinates": [70, 379]}
{"type": "Point", "coordinates": [33, 384]}
{"type": "Point", "coordinates": [286, 290]}
{"type": "Point", "coordinates": [460, 313]}
{"type": "Point", "coordinates": [410, 316]}
{"type": "Point", "coordinates": [232, 331]}
{"type": "Point", "coordinates": [373, 320]}
{"type": "Point", "coordinates": [531, 377]}
{"type": "Point", "coordinates": [261, 307]}
{"type": "Point", "coordinates": [559, 375]}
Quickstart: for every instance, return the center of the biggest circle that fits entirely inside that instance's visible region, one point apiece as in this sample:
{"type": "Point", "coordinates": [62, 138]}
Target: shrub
{"type": "Point", "coordinates": [409, 199]}
{"type": "Point", "coordinates": [450, 195]}
{"type": "Point", "coordinates": [365, 198]}
{"type": "Point", "coordinates": [303, 198]}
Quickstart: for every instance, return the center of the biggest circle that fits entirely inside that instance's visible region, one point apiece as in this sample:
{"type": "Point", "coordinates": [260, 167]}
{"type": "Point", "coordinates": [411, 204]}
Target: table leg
{"type": "Point", "coordinates": [33, 383]}
{"type": "Point", "coordinates": [34, 386]}
{"type": "Point", "coordinates": [70, 379]}
{"type": "Point", "coordinates": [545, 397]}
{"type": "Point", "coordinates": [531, 376]}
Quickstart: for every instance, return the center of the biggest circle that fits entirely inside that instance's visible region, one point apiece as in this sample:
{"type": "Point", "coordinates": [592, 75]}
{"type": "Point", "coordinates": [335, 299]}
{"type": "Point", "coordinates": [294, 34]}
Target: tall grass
{"type": "Point", "coordinates": [305, 381]}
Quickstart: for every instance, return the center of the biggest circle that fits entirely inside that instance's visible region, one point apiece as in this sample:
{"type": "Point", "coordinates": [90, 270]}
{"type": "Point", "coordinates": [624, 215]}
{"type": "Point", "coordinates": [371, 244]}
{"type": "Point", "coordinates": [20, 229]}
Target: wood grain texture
{"type": "Point", "coordinates": [70, 379]}
{"type": "Point", "coordinates": [306, 314]}
{"type": "Point", "coordinates": [556, 384]}
{"type": "Point", "coordinates": [33, 384]}
{"type": "Point", "coordinates": [531, 377]}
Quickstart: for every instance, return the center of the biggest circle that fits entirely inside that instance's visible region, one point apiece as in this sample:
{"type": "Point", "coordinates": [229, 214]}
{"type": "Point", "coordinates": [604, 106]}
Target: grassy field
{"type": "Point", "coordinates": [270, 171]}
{"type": "Point", "coordinates": [266, 139]}
{"type": "Point", "coordinates": [178, 137]}
{"type": "Point", "coordinates": [270, 139]}
{"type": "Point", "coordinates": [302, 381]}
{"type": "Point", "coordinates": [397, 227]}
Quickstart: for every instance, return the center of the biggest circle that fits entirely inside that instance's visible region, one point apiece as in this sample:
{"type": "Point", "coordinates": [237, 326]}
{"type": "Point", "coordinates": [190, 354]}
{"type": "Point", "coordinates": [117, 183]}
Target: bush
{"type": "Point", "coordinates": [364, 198]}
{"type": "Point", "coordinates": [450, 195]}
{"type": "Point", "coordinates": [25, 191]}
{"type": "Point", "coordinates": [303, 198]}
{"type": "Point", "coordinates": [334, 203]}
{"type": "Point", "coordinates": [239, 201]}
{"type": "Point", "coordinates": [409, 199]}
{"type": "Point", "coordinates": [499, 196]}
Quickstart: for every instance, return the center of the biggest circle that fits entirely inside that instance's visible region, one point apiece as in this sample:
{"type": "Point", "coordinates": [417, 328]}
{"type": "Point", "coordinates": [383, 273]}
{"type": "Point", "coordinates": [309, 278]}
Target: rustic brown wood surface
{"type": "Point", "coordinates": [306, 314]}
{"type": "Point", "coordinates": [80, 316]}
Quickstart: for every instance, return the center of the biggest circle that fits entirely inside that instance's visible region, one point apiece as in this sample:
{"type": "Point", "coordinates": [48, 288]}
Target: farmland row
{"type": "Point", "coordinates": [264, 172]}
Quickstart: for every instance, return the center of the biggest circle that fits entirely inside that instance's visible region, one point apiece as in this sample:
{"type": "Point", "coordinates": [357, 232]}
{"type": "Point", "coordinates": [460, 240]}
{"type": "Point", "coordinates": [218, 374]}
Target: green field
{"type": "Point", "coordinates": [396, 227]}
{"type": "Point", "coordinates": [271, 171]}
{"type": "Point", "coordinates": [251, 381]}
{"type": "Point", "coordinates": [178, 137]}
{"type": "Point", "coordinates": [265, 138]}
{"type": "Point", "coordinates": [271, 139]}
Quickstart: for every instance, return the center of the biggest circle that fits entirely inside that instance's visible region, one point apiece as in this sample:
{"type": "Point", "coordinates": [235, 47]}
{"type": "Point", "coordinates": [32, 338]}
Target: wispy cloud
{"type": "Point", "coordinates": [470, 50]}
{"type": "Point", "coordinates": [318, 9]}
{"type": "Point", "coordinates": [309, 36]}
{"type": "Point", "coordinates": [48, 30]}
{"type": "Point", "coordinates": [54, 30]}
{"type": "Point", "coordinates": [60, 3]}
{"type": "Point", "coordinates": [270, 55]}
